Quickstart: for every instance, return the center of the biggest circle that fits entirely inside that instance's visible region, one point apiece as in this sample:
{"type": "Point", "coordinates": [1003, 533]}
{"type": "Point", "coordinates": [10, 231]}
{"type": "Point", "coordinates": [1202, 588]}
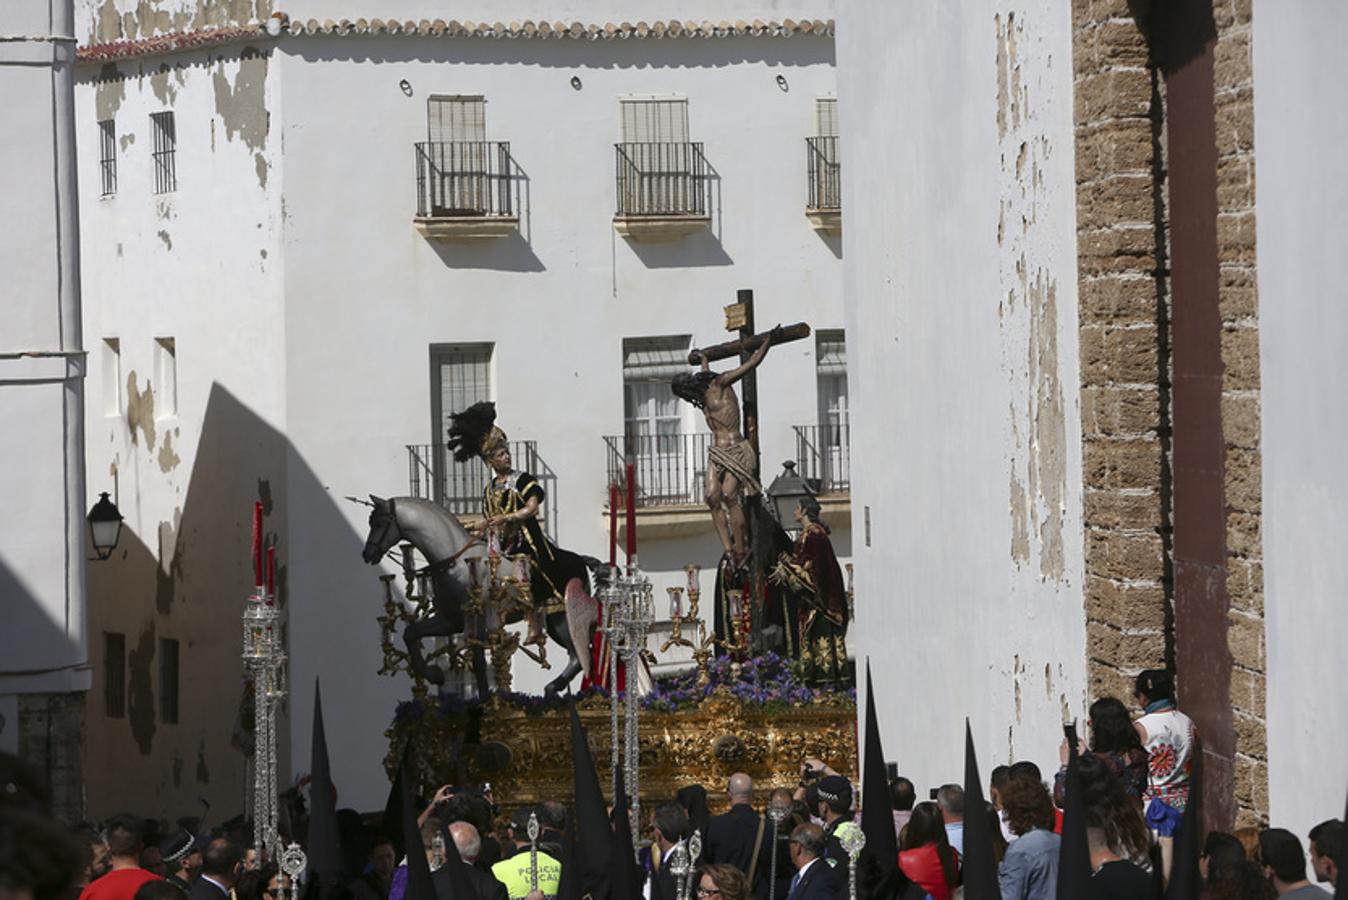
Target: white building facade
{"type": "Point", "coordinates": [44, 669]}
{"type": "Point", "coordinates": [302, 280]}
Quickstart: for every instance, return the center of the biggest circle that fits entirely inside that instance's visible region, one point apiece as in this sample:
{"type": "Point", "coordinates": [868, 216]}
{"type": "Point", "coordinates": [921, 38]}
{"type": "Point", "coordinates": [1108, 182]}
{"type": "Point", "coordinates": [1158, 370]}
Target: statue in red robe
{"type": "Point", "coordinates": [811, 572]}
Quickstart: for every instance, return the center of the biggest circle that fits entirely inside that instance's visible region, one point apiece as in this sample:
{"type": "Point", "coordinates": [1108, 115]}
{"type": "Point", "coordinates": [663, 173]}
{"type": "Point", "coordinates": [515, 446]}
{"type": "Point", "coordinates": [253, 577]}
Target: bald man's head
{"type": "Point", "coordinates": [741, 788]}
{"type": "Point", "coordinates": [467, 841]}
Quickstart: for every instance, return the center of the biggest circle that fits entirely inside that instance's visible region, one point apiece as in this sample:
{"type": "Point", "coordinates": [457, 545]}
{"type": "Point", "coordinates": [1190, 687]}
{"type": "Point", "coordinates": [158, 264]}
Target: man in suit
{"type": "Point", "coordinates": [741, 836]}
{"type": "Point", "coordinates": [220, 866]}
{"type": "Point", "coordinates": [671, 828]}
{"type": "Point", "coordinates": [814, 880]}
{"type": "Point", "coordinates": [483, 886]}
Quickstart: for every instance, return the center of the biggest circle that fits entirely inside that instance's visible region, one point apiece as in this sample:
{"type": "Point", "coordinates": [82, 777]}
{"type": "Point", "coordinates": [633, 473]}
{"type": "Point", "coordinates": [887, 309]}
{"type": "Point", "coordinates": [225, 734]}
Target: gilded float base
{"type": "Point", "coordinates": [526, 756]}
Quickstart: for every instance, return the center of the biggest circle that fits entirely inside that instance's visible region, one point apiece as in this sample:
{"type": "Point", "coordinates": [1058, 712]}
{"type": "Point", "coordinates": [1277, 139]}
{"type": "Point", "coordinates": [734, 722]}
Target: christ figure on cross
{"type": "Point", "coordinates": [732, 460]}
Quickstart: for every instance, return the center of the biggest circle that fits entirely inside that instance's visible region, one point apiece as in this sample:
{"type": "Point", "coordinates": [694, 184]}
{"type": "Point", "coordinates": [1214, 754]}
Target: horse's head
{"type": "Point", "coordinates": [384, 533]}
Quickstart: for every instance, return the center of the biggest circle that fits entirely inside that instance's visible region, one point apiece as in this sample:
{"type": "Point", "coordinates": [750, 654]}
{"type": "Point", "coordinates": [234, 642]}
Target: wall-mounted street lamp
{"type": "Point", "coordinates": [105, 526]}
{"type": "Point", "coordinates": [786, 491]}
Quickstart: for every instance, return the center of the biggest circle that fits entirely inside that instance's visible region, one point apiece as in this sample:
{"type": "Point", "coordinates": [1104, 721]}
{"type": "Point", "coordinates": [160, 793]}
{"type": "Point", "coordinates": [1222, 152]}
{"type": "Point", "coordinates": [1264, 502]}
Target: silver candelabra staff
{"type": "Point", "coordinates": [264, 659]}
{"type": "Point", "coordinates": [853, 840]}
{"type": "Point", "coordinates": [678, 869]}
{"type": "Point", "coordinates": [776, 814]}
{"type": "Point", "coordinates": [694, 851]}
{"type": "Point", "coordinates": [629, 610]}
{"type": "Point", "coordinates": [293, 862]}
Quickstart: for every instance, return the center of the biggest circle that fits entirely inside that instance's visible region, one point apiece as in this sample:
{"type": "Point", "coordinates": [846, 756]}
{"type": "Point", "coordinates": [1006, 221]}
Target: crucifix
{"type": "Point", "coordinates": [733, 458]}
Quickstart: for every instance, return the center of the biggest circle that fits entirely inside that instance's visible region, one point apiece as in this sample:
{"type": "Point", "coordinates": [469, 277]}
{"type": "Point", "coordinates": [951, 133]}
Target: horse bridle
{"type": "Point", "coordinates": [392, 520]}
{"type": "Point", "coordinates": [430, 568]}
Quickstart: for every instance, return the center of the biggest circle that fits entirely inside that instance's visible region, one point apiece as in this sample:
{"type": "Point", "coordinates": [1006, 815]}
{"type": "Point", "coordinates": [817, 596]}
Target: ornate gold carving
{"type": "Point", "coordinates": [527, 757]}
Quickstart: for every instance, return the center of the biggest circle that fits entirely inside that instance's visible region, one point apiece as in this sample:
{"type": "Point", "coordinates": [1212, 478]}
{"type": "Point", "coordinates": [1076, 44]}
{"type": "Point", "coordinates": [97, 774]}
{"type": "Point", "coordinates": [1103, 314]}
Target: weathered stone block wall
{"type": "Point", "coordinates": [1125, 349]}
{"type": "Point", "coordinates": [1124, 345]}
{"type": "Point", "coordinates": [1234, 93]}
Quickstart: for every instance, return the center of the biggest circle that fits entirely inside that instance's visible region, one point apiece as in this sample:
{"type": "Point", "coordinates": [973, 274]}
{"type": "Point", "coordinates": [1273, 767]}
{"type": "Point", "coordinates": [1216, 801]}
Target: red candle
{"type": "Point", "coordinates": [612, 524]}
{"type": "Point", "coordinates": [271, 574]}
{"type": "Point", "coordinates": [631, 514]}
{"type": "Point", "coordinates": [257, 544]}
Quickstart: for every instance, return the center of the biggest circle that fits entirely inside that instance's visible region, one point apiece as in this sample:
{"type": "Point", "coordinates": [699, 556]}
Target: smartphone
{"type": "Point", "coordinates": [891, 770]}
{"type": "Point", "coordinates": [1069, 730]}
{"type": "Point", "coordinates": [934, 792]}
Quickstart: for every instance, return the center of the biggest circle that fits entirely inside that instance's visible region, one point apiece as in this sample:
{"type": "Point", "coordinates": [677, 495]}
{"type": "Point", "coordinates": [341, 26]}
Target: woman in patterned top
{"type": "Point", "coordinates": [1170, 740]}
{"type": "Point", "coordinates": [1115, 742]}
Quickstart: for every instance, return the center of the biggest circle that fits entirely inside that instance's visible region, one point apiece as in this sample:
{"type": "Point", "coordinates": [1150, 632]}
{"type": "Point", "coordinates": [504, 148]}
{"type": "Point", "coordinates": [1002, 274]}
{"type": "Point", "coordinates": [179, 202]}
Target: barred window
{"type": "Point", "coordinates": [165, 152]}
{"type": "Point", "coordinates": [107, 155]}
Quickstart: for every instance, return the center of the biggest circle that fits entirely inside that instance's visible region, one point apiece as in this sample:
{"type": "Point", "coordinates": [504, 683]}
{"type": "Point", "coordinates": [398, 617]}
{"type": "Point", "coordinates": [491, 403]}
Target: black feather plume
{"type": "Point", "coordinates": [468, 429]}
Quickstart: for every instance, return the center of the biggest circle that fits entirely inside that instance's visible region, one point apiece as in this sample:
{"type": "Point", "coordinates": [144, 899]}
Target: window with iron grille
{"type": "Point", "coordinates": [460, 157]}
{"type": "Point", "coordinates": [165, 152]}
{"type": "Point", "coordinates": [460, 377]}
{"type": "Point", "coordinates": [833, 443]}
{"type": "Point", "coordinates": [822, 158]}
{"type": "Point", "coordinates": [114, 674]}
{"type": "Point", "coordinates": [168, 681]}
{"type": "Point", "coordinates": [107, 155]}
{"type": "Point", "coordinates": [660, 171]}
{"type": "Point", "coordinates": [657, 438]}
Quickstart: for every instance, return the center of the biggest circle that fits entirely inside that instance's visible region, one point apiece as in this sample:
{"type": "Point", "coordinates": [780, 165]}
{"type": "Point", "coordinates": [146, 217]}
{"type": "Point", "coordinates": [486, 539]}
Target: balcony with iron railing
{"type": "Point", "coordinates": [434, 474]}
{"type": "Point", "coordinates": [671, 474]}
{"type": "Point", "coordinates": [662, 190]}
{"type": "Point", "coordinates": [824, 177]}
{"type": "Point", "coordinates": [823, 457]}
{"type": "Point", "coordinates": [466, 189]}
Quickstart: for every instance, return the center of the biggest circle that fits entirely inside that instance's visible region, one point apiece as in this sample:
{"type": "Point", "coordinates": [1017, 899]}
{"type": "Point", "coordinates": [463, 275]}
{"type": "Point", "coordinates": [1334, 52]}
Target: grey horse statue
{"type": "Point", "coordinates": [451, 553]}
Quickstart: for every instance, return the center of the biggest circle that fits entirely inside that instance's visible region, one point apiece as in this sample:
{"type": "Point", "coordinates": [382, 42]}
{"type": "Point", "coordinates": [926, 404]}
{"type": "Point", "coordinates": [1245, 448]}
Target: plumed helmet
{"type": "Point", "coordinates": [473, 432]}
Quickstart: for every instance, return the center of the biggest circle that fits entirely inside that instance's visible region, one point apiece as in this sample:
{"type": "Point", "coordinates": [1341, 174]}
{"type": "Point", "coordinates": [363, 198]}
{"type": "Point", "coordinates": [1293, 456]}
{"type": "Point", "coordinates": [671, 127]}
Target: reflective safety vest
{"type": "Point", "coordinates": [514, 874]}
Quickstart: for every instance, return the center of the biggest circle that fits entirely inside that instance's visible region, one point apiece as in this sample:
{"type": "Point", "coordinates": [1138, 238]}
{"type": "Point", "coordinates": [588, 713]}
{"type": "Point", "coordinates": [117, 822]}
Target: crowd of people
{"type": "Point", "coordinates": [1133, 781]}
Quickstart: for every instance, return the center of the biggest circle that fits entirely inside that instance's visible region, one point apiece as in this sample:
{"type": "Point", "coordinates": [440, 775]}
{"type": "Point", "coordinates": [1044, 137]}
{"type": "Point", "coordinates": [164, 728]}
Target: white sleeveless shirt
{"type": "Point", "coordinates": [1170, 748]}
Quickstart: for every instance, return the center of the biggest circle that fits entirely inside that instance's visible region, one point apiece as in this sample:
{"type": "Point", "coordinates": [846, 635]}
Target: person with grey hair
{"type": "Point", "coordinates": [950, 798]}
{"type": "Point", "coordinates": [468, 842]}
{"type": "Point", "coordinates": [814, 878]}
{"type": "Point", "coordinates": [741, 836]}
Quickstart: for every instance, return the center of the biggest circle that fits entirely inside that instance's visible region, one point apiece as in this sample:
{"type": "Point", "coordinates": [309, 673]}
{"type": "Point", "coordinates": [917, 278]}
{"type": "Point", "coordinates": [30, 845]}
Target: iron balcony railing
{"type": "Point", "coordinates": [465, 178]}
{"type": "Point", "coordinates": [671, 469]}
{"type": "Point", "coordinates": [661, 179]}
{"type": "Point", "coordinates": [823, 457]}
{"type": "Point", "coordinates": [434, 474]}
{"type": "Point", "coordinates": [825, 173]}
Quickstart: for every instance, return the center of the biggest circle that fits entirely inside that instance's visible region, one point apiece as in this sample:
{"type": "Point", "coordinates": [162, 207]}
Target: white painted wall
{"type": "Point", "coordinates": [366, 296]}
{"type": "Point", "coordinates": [965, 375]}
{"type": "Point", "coordinates": [42, 543]}
{"type": "Point", "coordinates": [199, 265]}
{"type": "Point", "coordinates": [1300, 131]}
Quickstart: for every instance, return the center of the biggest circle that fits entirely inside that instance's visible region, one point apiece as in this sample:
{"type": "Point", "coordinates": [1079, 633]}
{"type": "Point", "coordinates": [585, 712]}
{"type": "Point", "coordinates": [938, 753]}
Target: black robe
{"type": "Point", "coordinates": [550, 567]}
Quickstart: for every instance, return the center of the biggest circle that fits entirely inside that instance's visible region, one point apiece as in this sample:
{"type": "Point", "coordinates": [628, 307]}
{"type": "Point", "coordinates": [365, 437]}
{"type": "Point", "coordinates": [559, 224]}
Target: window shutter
{"type": "Point", "coordinates": [650, 120]}
{"type": "Point", "coordinates": [456, 118]}
{"type": "Point", "coordinates": [826, 116]}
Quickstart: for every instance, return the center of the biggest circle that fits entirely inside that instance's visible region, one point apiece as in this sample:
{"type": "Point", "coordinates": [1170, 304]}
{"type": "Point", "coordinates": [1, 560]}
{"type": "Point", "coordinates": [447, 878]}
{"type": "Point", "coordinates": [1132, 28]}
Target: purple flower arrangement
{"type": "Point", "coordinates": [765, 682]}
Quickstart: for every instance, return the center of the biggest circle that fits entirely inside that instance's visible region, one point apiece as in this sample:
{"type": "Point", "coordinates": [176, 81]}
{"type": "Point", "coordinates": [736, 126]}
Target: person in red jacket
{"type": "Point", "coordinates": [925, 854]}
{"type": "Point", "coordinates": [125, 842]}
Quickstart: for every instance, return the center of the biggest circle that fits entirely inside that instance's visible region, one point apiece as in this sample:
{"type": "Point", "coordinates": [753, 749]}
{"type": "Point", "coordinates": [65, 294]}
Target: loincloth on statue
{"type": "Point", "coordinates": [740, 461]}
